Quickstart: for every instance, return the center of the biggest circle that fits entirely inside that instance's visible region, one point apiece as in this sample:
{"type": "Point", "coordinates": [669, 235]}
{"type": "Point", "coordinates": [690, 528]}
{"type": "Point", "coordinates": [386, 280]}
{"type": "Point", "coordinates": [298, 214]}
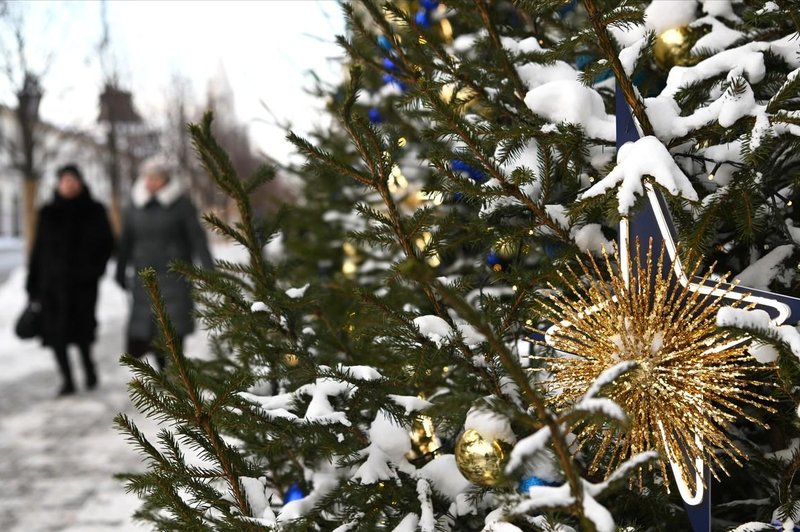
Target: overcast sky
{"type": "Point", "coordinates": [266, 48]}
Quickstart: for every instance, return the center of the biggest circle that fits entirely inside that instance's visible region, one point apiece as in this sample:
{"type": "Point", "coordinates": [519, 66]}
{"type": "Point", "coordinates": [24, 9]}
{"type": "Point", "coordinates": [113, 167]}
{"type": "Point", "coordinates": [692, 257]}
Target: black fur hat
{"type": "Point", "coordinates": [70, 169]}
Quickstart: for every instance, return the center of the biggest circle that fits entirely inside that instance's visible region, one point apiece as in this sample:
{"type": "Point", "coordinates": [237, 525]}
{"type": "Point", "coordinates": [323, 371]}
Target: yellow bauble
{"type": "Point", "coordinates": [673, 48]}
{"type": "Point", "coordinates": [424, 441]}
{"type": "Point", "coordinates": [479, 459]}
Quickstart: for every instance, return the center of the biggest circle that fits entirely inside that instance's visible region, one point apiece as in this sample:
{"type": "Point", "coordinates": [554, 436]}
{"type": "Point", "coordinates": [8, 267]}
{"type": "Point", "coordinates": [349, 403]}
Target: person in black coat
{"type": "Point", "coordinates": [72, 244]}
{"type": "Point", "coordinates": [160, 225]}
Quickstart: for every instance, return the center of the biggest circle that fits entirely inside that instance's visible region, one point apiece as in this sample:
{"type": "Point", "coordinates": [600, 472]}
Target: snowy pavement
{"type": "Point", "coordinates": [58, 456]}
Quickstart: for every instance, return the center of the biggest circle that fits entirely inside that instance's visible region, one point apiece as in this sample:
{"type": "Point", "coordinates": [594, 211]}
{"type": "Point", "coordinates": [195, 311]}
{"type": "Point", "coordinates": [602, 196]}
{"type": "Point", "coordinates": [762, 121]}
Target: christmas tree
{"type": "Point", "coordinates": [453, 336]}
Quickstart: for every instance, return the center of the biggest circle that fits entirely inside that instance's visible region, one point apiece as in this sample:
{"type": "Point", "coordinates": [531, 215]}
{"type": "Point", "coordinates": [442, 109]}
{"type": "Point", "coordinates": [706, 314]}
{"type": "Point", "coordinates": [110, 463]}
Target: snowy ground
{"type": "Point", "coordinates": [58, 456]}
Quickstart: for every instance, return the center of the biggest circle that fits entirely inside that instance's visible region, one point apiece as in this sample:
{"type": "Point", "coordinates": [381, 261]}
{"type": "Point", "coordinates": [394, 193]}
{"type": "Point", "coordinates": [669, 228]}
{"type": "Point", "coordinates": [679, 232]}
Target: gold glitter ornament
{"type": "Point", "coordinates": [479, 459]}
{"type": "Point", "coordinates": [424, 441]}
{"type": "Point", "coordinates": [692, 378]}
{"type": "Point", "coordinates": [673, 47]}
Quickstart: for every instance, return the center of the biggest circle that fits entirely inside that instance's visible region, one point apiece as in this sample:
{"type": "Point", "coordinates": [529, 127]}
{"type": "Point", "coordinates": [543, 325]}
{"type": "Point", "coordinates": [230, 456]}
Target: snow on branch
{"type": "Point", "coordinates": [646, 156]}
{"type": "Point", "coordinates": [758, 321]}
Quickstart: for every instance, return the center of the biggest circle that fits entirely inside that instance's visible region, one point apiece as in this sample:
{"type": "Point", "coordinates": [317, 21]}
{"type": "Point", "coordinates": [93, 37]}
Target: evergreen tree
{"type": "Point", "coordinates": [471, 163]}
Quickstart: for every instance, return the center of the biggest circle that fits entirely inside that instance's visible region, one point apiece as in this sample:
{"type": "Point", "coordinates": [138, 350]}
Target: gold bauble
{"type": "Point", "coordinates": [674, 48]}
{"type": "Point", "coordinates": [479, 459]}
{"type": "Point", "coordinates": [424, 441]}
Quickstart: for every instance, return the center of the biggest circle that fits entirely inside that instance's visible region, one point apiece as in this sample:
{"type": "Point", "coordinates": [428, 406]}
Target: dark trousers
{"type": "Point", "coordinates": [139, 348]}
{"type": "Point", "coordinates": [62, 358]}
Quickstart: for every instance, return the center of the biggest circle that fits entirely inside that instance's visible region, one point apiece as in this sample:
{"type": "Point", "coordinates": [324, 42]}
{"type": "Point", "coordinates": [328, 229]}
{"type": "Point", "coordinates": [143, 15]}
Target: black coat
{"type": "Point", "coordinates": [72, 245]}
{"type": "Point", "coordinates": [155, 233]}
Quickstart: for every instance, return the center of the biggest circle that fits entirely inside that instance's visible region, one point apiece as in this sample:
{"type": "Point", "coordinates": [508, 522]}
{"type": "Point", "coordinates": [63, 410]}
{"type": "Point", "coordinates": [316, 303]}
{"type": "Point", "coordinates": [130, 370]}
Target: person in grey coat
{"type": "Point", "coordinates": [160, 225]}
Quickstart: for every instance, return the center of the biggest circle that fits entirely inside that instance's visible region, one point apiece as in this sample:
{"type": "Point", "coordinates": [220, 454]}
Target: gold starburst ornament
{"type": "Point", "coordinates": [691, 379]}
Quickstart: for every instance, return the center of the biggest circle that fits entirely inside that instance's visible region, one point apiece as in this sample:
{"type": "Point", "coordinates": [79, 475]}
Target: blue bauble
{"type": "Point", "coordinates": [384, 42]}
{"type": "Point", "coordinates": [388, 64]}
{"type": "Point", "coordinates": [552, 250]}
{"type": "Point", "coordinates": [473, 173]}
{"type": "Point", "coordinates": [388, 79]}
{"type": "Point", "coordinates": [583, 60]}
{"type": "Point", "coordinates": [375, 116]}
{"type": "Point", "coordinates": [429, 5]}
{"type": "Point", "coordinates": [423, 18]}
{"type": "Point", "coordinates": [532, 481]}
{"type": "Point", "coordinates": [567, 8]}
{"type": "Point", "coordinates": [294, 493]}
{"type": "Point", "coordinates": [496, 262]}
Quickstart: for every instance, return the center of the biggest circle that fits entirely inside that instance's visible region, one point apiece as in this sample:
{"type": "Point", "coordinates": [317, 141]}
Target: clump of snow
{"type": "Point", "coordinates": [528, 447]}
{"type": "Point", "coordinates": [571, 101]}
{"type": "Point", "coordinates": [407, 524]}
{"type": "Point", "coordinates": [443, 473]}
{"type": "Point", "coordinates": [662, 15]}
{"type": "Point", "coordinates": [360, 373]}
{"type": "Point", "coordinates": [489, 424]}
{"type": "Point", "coordinates": [471, 335]}
{"type": "Point", "coordinates": [275, 251]}
{"type": "Point", "coordinates": [761, 273]}
{"type": "Point", "coordinates": [259, 306]}
{"type": "Point", "coordinates": [410, 403]}
{"type": "Point", "coordinates": [590, 238]}
{"type": "Point", "coordinates": [295, 293]}
{"type": "Point", "coordinates": [763, 353]}
{"type": "Point", "coordinates": [427, 521]}
{"type": "Point", "coordinates": [759, 320]}
{"type": "Point", "coordinates": [719, 38]}
{"type": "Point", "coordinates": [256, 493]}
{"type": "Point", "coordinates": [535, 74]}
{"type": "Point", "coordinates": [646, 156]}
{"type": "Point", "coordinates": [434, 328]}
{"type": "Point", "coordinates": [389, 443]}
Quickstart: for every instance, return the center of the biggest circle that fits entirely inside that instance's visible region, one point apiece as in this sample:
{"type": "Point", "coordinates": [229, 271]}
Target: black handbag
{"type": "Point", "coordinates": [29, 324]}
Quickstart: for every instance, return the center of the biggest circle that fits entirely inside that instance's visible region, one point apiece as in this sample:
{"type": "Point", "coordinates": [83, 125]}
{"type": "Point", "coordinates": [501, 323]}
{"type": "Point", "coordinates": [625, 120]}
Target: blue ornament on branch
{"type": "Point", "coordinates": [388, 79]}
{"type": "Point", "coordinates": [388, 64]}
{"type": "Point", "coordinates": [567, 8]}
{"type": "Point", "coordinates": [533, 481]}
{"type": "Point", "coordinates": [375, 116]}
{"type": "Point", "coordinates": [429, 5]}
{"type": "Point", "coordinates": [473, 173]}
{"type": "Point", "coordinates": [552, 250]}
{"type": "Point", "coordinates": [384, 42]}
{"type": "Point", "coordinates": [294, 493]}
{"type": "Point", "coordinates": [423, 18]}
{"type": "Point", "coordinates": [496, 262]}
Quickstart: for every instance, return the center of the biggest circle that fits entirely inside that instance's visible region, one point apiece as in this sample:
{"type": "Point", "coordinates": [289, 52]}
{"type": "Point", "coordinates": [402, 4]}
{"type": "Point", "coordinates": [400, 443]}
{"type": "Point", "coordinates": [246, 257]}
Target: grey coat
{"type": "Point", "coordinates": [157, 231]}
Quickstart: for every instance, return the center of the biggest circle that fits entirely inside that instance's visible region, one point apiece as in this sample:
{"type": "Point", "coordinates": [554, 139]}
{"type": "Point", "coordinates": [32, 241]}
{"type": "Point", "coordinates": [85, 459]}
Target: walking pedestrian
{"type": "Point", "coordinates": [72, 245]}
{"type": "Point", "coordinates": [160, 225]}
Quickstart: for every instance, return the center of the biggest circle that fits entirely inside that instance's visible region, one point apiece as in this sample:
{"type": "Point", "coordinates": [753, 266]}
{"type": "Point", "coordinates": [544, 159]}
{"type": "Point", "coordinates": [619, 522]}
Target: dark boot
{"type": "Point", "coordinates": [62, 358]}
{"type": "Point", "coordinates": [89, 367]}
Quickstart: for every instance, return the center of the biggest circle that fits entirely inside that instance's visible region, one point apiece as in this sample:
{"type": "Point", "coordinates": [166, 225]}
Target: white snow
{"type": "Point", "coordinates": [434, 327]}
{"type": "Point", "coordinates": [445, 477]}
{"type": "Point", "coordinates": [575, 103]}
{"type": "Point", "coordinates": [646, 156]}
{"type": "Point", "coordinates": [759, 320]}
{"type": "Point", "coordinates": [295, 293]}
{"type": "Point", "coordinates": [662, 15]}
{"type": "Point", "coordinates": [528, 447]}
{"type": "Point", "coordinates": [259, 306]}
{"type": "Point", "coordinates": [427, 522]}
{"type": "Point", "coordinates": [761, 273]}
{"type": "Point", "coordinates": [410, 403]}
{"type": "Point", "coordinates": [489, 424]}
